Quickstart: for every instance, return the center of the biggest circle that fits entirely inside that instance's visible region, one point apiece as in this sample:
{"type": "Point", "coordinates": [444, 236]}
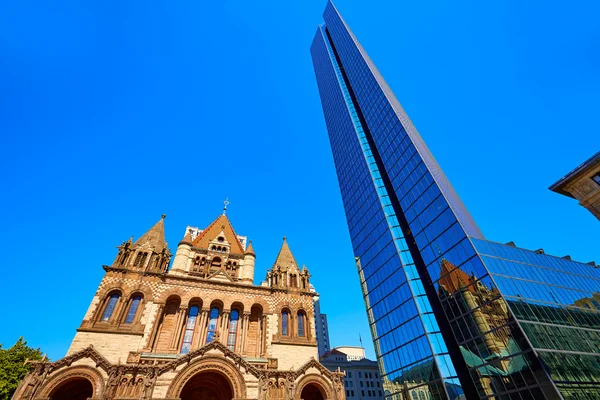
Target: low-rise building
{"type": "Point", "coordinates": [583, 184]}
{"type": "Point", "coordinates": [362, 380]}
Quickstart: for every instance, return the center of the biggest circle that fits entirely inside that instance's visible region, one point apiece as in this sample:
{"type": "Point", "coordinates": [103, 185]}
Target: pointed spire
{"type": "Point", "coordinates": [285, 258]}
{"type": "Point", "coordinates": [187, 239]}
{"type": "Point", "coordinates": [250, 249]}
{"type": "Point", "coordinates": [155, 236]}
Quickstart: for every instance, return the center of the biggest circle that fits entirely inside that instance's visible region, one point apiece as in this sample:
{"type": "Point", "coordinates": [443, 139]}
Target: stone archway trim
{"type": "Point", "coordinates": [211, 363]}
{"type": "Point", "coordinates": [317, 380]}
{"type": "Point", "coordinates": [80, 371]}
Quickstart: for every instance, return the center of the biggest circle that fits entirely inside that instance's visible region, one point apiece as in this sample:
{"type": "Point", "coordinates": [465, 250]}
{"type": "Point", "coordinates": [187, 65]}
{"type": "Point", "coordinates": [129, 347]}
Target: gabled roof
{"type": "Point", "coordinates": [214, 229]}
{"type": "Point", "coordinates": [154, 237]}
{"type": "Point", "coordinates": [285, 259]}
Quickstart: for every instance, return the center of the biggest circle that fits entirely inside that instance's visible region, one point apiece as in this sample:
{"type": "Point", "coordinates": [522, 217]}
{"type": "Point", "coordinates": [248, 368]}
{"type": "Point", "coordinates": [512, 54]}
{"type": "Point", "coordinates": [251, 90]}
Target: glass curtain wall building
{"type": "Point", "coordinates": [452, 315]}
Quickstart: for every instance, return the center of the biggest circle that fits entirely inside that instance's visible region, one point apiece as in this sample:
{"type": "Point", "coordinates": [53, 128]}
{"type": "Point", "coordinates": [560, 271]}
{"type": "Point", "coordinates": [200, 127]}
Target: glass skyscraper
{"type": "Point", "coordinates": [452, 315]}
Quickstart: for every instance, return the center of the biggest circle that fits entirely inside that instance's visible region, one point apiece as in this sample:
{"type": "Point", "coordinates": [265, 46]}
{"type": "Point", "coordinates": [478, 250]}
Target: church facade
{"type": "Point", "coordinates": [198, 330]}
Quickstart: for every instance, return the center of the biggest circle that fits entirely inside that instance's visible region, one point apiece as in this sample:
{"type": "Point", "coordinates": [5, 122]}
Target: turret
{"type": "Point", "coordinates": [183, 255]}
{"type": "Point", "coordinates": [247, 265]}
{"type": "Point", "coordinates": [150, 253]}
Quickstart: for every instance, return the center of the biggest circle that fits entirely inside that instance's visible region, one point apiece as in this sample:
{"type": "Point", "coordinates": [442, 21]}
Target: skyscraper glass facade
{"type": "Point", "coordinates": [432, 284]}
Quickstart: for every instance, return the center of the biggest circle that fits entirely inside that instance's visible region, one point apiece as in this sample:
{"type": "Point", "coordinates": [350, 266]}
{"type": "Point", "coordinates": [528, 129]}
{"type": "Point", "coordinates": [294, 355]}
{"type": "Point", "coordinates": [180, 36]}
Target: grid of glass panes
{"type": "Point", "coordinates": [399, 336]}
{"type": "Point", "coordinates": [556, 302]}
{"type": "Point", "coordinates": [437, 232]}
{"type": "Point", "coordinates": [408, 267]}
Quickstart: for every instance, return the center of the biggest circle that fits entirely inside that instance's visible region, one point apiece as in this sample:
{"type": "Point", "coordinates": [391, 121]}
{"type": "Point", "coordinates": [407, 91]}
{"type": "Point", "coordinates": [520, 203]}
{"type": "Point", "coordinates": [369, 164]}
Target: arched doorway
{"type": "Point", "coordinates": [73, 389]}
{"type": "Point", "coordinates": [312, 392]}
{"type": "Point", "coordinates": [208, 385]}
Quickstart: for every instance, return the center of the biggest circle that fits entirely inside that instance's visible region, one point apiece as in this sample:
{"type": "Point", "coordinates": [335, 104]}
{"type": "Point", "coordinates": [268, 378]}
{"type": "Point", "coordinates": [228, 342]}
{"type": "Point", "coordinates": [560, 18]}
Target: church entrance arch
{"type": "Point", "coordinates": [73, 389]}
{"type": "Point", "coordinates": [208, 378]}
{"type": "Point", "coordinates": [207, 385]}
{"type": "Point", "coordinates": [312, 391]}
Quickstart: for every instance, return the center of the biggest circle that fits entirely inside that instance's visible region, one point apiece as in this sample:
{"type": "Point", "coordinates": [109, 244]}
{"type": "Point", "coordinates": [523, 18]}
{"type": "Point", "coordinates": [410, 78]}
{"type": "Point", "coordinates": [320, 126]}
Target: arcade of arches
{"type": "Point", "coordinates": [151, 319]}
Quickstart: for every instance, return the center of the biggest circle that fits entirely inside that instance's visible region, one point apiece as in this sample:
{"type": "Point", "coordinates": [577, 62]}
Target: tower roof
{"type": "Point", "coordinates": [154, 237]}
{"type": "Point", "coordinates": [250, 249]}
{"type": "Point", "coordinates": [285, 259]}
{"type": "Point", "coordinates": [187, 239]}
{"type": "Point", "coordinates": [221, 224]}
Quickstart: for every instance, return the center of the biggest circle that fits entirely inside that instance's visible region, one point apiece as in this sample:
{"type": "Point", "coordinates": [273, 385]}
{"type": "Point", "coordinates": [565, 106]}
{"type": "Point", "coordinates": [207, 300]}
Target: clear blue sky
{"type": "Point", "coordinates": [113, 113]}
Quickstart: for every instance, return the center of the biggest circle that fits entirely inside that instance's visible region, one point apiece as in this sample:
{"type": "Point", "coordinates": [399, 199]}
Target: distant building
{"type": "Point", "coordinates": [321, 328]}
{"type": "Point", "coordinates": [362, 380]}
{"type": "Point", "coordinates": [583, 184]}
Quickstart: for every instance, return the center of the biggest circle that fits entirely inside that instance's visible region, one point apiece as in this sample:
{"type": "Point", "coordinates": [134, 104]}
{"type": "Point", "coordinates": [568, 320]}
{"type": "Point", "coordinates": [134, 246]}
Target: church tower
{"type": "Point", "coordinates": [199, 329]}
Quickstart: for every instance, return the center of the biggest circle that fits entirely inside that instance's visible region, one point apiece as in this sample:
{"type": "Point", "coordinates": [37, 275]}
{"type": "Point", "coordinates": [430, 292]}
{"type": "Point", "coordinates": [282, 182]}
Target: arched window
{"type": "Point", "coordinates": [110, 307]}
{"type": "Point", "coordinates": [285, 322]}
{"type": "Point", "coordinates": [301, 324]}
{"type": "Point", "coordinates": [212, 324]}
{"type": "Point", "coordinates": [133, 307]}
{"type": "Point", "coordinates": [234, 317]}
{"type": "Point", "coordinates": [189, 329]}
{"type": "Point", "coordinates": [216, 264]}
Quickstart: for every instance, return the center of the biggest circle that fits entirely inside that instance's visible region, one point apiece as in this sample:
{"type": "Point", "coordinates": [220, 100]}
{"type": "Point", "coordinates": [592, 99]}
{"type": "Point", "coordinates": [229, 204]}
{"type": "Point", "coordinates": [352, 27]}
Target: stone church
{"type": "Point", "coordinates": [198, 330]}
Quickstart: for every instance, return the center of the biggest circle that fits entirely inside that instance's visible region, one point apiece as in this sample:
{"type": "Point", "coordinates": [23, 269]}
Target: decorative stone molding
{"type": "Point", "coordinates": [89, 373]}
{"type": "Point", "coordinates": [214, 364]}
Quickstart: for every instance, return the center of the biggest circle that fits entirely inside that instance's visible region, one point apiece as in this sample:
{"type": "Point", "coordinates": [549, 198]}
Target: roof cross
{"type": "Point", "coordinates": [226, 203]}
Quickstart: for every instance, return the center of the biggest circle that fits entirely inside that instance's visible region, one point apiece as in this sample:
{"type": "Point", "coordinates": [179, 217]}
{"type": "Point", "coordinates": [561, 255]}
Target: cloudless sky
{"type": "Point", "coordinates": [112, 113]}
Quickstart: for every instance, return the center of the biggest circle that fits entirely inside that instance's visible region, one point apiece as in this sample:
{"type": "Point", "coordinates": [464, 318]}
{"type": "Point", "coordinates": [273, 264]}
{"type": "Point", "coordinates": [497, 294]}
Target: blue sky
{"type": "Point", "coordinates": [113, 113]}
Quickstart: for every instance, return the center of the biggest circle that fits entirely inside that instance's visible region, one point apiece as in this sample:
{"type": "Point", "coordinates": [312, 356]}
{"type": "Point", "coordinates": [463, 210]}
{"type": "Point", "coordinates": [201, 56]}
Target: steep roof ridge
{"type": "Point", "coordinates": [285, 258]}
{"type": "Point", "coordinates": [155, 236]}
{"type": "Point", "coordinates": [224, 219]}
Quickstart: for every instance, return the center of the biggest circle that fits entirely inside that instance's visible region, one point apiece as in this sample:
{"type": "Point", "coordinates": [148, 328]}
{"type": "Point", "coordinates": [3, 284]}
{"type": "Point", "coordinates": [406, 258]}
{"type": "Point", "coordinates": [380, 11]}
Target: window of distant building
{"type": "Point", "coordinates": [596, 178]}
{"type": "Point", "coordinates": [596, 304]}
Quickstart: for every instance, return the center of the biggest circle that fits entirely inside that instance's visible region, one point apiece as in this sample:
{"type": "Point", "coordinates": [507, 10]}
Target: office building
{"type": "Point", "coordinates": [321, 328]}
{"type": "Point", "coordinates": [452, 315]}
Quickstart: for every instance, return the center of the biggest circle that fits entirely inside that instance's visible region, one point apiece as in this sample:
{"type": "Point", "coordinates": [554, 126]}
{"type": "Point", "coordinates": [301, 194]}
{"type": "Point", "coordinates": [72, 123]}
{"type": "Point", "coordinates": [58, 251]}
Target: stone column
{"type": "Point", "coordinates": [157, 323]}
{"type": "Point", "coordinates": [244, 333]}
{"type": "Point", "coordinates": [178, 328]}
{"type": "Point", "coordinates": [263, 335]}
{"type": "Point", "coordinates": [199, 330]}
{"type": "Point", "coordinates": [204, 328]}
{"type": "Point", "coordinates": [224, 327]}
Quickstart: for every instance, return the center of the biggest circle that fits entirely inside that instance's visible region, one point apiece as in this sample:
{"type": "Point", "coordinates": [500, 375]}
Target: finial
{"type": "Point", "coordinates": [163, 216]}
{"type": "Point", "coordinates": [226, 203]}
{"type": "Point", "coordinates": [284, 238]}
